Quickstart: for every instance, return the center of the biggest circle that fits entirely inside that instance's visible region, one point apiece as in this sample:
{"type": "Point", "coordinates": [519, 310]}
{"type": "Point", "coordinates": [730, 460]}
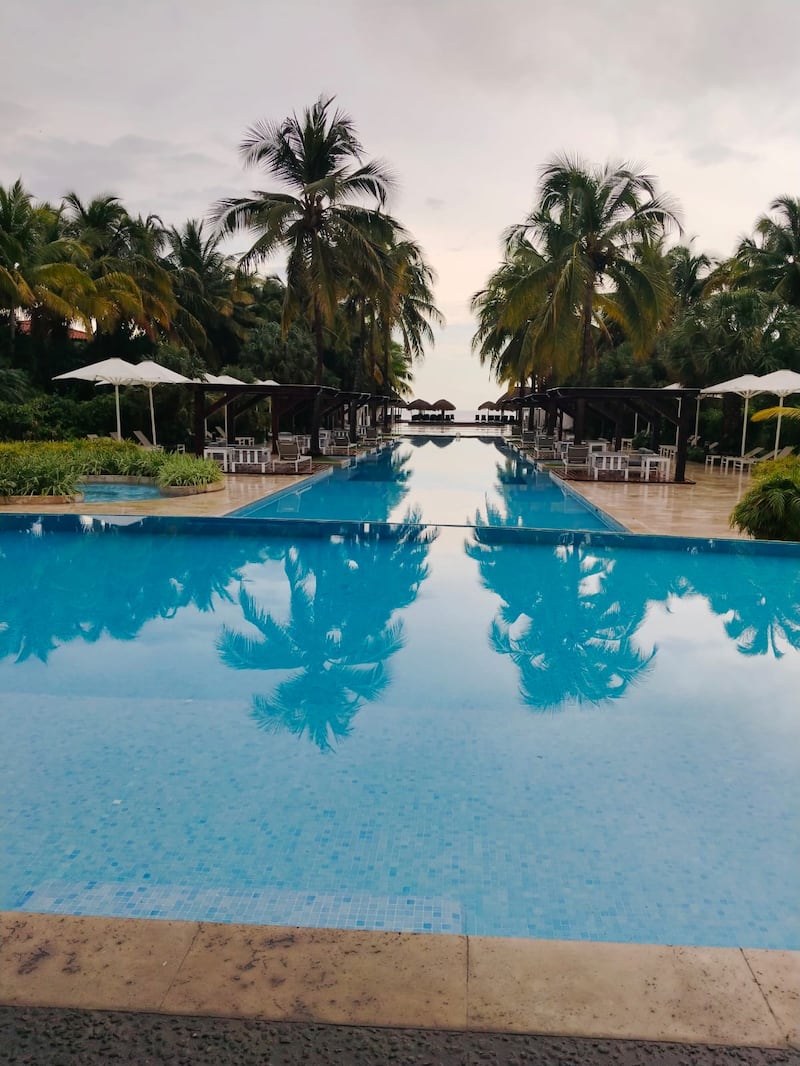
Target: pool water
{"type": "Point", "coordinates": [437, 479]}
{"type": "Point", "coordinates": [111, 492]}
{"type": "Point", "coordinates": [566, 735]}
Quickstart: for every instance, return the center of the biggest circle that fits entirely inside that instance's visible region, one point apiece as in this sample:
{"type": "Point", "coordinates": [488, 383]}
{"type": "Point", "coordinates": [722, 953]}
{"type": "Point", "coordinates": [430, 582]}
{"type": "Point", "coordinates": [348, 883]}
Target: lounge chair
{"type": "Point", "coordinates": [528, 440]}
{"type": "Point", "coordinates": [370, 435]}
{"type": "Point", "coordinates": [782, 454]}
{"type": "Point", "coordinates": [289, 453]}
{"type": "Point", "coordinates": [145, 442]}
{"type": "Point", "coordinates": [577, 459]}
{"type": "Point", "coordinates": [341, 443]}
{"type": "Point", "coordinates": [739, 462]}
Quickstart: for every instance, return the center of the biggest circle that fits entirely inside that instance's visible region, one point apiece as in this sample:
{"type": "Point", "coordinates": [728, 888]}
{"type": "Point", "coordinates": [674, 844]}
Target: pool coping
{"type": "Point", "coordinates": [721, 996]}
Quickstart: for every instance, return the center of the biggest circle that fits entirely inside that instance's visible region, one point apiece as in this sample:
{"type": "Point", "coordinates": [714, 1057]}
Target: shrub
{"type": "Point", "coordinates": [771, 509]}
{"type": "Point", "coordinates": [55, 469]}
{"type": "Point", "coordinates": [188, 470]}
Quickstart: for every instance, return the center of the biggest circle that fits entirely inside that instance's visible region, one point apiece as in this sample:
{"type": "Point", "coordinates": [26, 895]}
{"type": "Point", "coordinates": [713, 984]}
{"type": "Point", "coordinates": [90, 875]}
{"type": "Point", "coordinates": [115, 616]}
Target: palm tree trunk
{"type": "Point", "coordinates": [386, 345]}
{"type": "Point", "coordinates": [587, 358]}
{"type": "Point", "coordinates": [315, 414]}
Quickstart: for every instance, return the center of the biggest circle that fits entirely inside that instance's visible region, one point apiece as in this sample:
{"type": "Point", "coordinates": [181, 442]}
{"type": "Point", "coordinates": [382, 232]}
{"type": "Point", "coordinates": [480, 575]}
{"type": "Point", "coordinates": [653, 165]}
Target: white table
{"type": "Point", "coordinates": [661, 464]}
{"type": "Point", "coordinates": [608, 461]}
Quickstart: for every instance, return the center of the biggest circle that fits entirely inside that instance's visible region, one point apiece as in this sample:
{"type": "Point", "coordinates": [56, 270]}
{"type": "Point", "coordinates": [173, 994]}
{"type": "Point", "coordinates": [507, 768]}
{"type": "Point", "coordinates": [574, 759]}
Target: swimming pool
{"type": "Point", "coordinates": [482, 730]}
{"type": "Point", "coordinates": [112, 491]}
{"type": "Point", "coordinates": [437, 479]}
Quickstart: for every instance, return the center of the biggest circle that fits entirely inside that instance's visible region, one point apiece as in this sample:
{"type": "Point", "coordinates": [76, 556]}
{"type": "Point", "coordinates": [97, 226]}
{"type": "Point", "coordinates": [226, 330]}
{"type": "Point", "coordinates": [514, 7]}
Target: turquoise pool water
{"type": "Point", "coordinates": [555, 734]}
{"type": "Point", "coordinates": [111, 492]}
{"type": "Point", "coordinates": [437, 479]}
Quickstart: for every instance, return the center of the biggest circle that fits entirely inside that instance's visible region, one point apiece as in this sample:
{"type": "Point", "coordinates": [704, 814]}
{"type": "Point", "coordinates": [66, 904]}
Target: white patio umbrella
{"type": "Point", "coordinates": [780, 383]}
{"type": "Point", "coordinates": [151, 374]}
{"type": "Point", "coordinates": [115, 372]}
{"type": "Point", "coordinates": [747, 386]}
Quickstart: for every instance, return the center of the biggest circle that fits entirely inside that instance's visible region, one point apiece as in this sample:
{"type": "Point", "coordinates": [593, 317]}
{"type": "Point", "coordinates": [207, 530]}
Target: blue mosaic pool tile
{"type": "Point", "coordinates": [352, 910]}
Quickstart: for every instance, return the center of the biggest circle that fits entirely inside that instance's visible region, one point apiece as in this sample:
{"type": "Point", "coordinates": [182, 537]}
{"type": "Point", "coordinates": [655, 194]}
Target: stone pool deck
{"type": "Point", "coordinates": [701, 509]}
{"type": "Point", "coordinates": [203, 993]}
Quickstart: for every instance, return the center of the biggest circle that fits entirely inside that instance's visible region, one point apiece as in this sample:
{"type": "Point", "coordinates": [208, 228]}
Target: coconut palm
{"type": "Point", "coordinates": [405, 302]}
{"type": "Point", "coordinates": [38, 270]}
{"type": "Point", "coordinates": [592, 244]}
{"type": "Point", "coordinates": [770, 260]}
{"type": "Point", "coordinates": [317, 220]}
{"type": "Point", "coordinates": [210, 294]}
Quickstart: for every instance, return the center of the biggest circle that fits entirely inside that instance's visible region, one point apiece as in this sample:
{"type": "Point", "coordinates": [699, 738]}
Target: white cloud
{"type": "Point", "coordinates": [465, 98]}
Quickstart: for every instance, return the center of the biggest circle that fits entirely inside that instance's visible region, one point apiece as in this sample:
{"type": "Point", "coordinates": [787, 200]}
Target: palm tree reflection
{"type": "Point", "coordinates": [762, 607]}
{"type": "Point", "coordinates": [58, 587]}
{"type": "Point", "coordinates": [568, 623]}
{"type": "Point", "coordinates": [341, 631]}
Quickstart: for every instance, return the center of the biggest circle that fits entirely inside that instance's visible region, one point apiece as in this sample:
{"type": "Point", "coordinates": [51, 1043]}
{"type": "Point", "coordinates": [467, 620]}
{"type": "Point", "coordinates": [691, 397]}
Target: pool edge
{"type": "Point", "coordinates": [723, 996]}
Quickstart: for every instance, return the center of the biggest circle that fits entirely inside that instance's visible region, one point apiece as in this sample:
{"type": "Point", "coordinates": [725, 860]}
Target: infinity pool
{"type": "Point", "coordinates": [481, 730]}
{"type": "Point", "coordinates": [441, 479]}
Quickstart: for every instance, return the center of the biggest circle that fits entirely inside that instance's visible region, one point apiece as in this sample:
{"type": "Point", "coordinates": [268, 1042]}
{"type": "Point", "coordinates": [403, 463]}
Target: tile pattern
{"type": "Point", "coordinates": [351, 910]}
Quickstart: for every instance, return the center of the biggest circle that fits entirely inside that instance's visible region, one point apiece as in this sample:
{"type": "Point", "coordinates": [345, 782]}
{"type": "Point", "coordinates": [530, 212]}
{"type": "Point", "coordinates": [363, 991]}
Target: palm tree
{"type": "Point", "coordinates": [209, 292]}
{"type": "Point", "coordinates": [326, 234]}
{"type": "Point", "coordinates": [770, 260]}
{"type": "Point", "coordinates": [593, 246]}
{"type": "Point", "coordinates": [38, 270]}
{"type": "Point", "coordinates": [405, 302]}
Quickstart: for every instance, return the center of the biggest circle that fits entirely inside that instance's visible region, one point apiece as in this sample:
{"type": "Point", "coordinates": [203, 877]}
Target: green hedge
{"type": "Point", "coordinates": [55, 469]}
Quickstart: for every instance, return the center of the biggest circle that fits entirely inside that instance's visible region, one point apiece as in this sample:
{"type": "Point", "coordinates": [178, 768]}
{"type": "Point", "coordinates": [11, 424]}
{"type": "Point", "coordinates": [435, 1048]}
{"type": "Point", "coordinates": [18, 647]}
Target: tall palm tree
{"type": "Point", "coordinates": [405, 303]}
{"type": "Point", "coordinates": [594, 237]}
{"type": "Point", "coordinates": [770, 260]}
{"type": "Point", "coordinates": [316, 219]}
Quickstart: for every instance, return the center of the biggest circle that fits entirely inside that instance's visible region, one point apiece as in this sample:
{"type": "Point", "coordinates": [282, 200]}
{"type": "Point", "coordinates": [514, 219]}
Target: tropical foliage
{"type": "Point", "coordinates": [770, 510]}
{"type": "Point", "coordinates": [57, 469]}
{"type": "Point", "coordinates": [84, 279]}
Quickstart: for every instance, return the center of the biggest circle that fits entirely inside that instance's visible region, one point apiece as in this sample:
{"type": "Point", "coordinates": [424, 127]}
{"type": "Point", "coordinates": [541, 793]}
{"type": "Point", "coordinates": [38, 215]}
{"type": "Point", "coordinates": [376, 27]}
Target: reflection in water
{"type": "Point", "coordinates": [563, 623]}
{"type": "Point", "coordinates": [762, 607]}
{"type": "Point", "coordinates": [527, 497]}
{"type": "Point", "coordinates": [58, 587]}
{"type": "Point", "coordinates": [341, 630]}
{"type": "Point", "coordinates": [569, 622]}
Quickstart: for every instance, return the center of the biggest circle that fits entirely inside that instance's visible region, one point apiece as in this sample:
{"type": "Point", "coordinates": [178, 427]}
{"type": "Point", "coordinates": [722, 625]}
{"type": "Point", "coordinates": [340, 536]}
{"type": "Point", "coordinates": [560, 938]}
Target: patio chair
{"type": "Point", "coordinates": [341, 443]}
{"type": "Point", "coordinates": [544, 448]}
{"type": "Point", "coordinates": [528, 440]}
{"type": "Point", "coordinates": [289, 453]}
{"type": "Point", "coordinates": [739, 462]}
{"type": "Point", "coordinates": [712, 456]}
{"type": "Point", "coordinates": [576, 459]}
{"type": "Point", "coordinates": [783, 453]}
{"type": "Point", "coordinates": [370, 435]}
{"type": "Point", "coordinates": [145, 442]}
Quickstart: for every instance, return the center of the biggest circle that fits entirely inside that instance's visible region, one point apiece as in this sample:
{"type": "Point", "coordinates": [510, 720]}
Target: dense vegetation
{"type": "Point", "coordinates": [356, 308]}
{"type": "Point", "coordinates": [57, 469]}
{"type": "Point", "coordinates": [589, 293]}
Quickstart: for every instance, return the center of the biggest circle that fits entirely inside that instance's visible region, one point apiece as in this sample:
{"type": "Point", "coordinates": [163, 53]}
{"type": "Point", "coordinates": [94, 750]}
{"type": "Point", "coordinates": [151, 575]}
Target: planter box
{"type": "Point", "coordinates": [42, 501]}
{"type": "Point", "coordinates": [191, 490]}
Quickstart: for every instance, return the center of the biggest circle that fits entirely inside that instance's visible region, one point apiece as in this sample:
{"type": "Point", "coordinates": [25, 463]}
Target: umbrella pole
{"type": "Point", "coordinates": [778, 427]}
{"type": "Point", "coordinates": [152, 416]}
{"type": "Point", "coordinates": [697, 420]}
{"type": "Point", "coordinates": [119, 420]}
{"type": "Point", "coordinates": [744, 424]}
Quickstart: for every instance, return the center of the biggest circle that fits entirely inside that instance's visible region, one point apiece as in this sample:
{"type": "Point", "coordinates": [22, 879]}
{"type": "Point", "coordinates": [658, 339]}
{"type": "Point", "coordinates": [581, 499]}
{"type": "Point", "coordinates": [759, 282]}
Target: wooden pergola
{"type": "Point", "coordinates": [285, 400]}
{"type": "Point", "coordinates": [675, 406]}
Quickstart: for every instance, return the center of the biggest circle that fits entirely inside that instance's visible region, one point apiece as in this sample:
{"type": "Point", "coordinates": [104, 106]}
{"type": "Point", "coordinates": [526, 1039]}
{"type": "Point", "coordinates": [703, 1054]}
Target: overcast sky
{"type": "Point", "coordinates": [465, 99]}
